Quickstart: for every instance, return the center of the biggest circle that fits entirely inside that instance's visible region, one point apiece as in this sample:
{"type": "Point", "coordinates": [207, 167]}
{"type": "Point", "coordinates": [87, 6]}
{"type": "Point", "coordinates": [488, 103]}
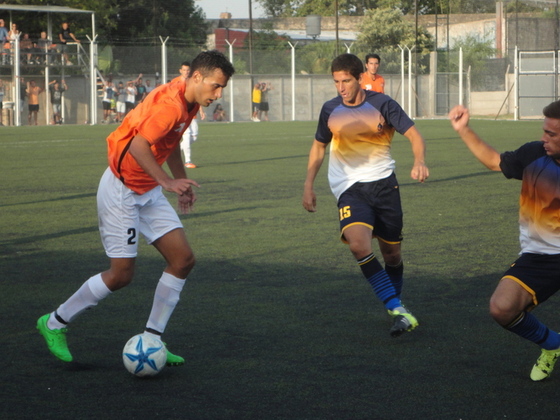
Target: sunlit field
{"type": "Point", "coordinates": [276, 321]}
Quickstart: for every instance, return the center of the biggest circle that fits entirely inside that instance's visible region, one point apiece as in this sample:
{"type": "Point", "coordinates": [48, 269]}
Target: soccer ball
{"type": "Point", "coordinates": [144, 355]}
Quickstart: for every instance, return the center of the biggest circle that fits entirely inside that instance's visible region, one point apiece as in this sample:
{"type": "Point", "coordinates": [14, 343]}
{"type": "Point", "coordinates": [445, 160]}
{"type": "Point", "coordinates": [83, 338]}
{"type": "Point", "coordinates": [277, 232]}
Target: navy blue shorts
{"type": "Point", "coordinates": [538, 274]}
{"type": "Point", "coordinates": [376, 205]}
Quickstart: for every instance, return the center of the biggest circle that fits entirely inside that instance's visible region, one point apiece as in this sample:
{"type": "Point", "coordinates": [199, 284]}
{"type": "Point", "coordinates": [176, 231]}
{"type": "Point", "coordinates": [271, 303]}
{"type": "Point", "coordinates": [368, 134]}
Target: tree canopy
{"type": "Point", "coordinates": [124, 19]}
{"type": "Point", "coordinates": [301, 8]}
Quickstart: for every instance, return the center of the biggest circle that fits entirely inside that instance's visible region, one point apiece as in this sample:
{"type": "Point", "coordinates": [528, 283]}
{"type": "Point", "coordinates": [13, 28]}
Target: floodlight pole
{"type": "Point", "coordinates": [163, 59]}
{"type": "Point", "coordinates": [293, 80]}
{"type": "Point", "coordinates": [47, 102]}
{"type": "Point", "coordinates": [410, 80]}
{"type": "Point", "coordinates": [402, 76]}
{"type": "Point", "coordinates": [92, 80]}
{"type": "Point", "coordinates": [17, 86]}
{"type": "Point", "coordinates": [516, 97]}
{"type": "Point", "coordinates": [336, 24]}
{"type": "Point", "coordinates": [461, 76]}
{"type": "Point", "coordinates": [231, 107]}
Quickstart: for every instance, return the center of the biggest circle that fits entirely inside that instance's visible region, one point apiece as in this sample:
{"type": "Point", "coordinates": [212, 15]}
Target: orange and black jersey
{"type": "Point", "coordinates": [539, 202]}
{"type": "Point", "coordinates": [361, 138]}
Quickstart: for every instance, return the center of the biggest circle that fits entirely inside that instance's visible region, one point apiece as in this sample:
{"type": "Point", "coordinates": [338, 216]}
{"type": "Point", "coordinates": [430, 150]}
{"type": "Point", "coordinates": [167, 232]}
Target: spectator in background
{"type": "Point", "coordinates": [130, 96]}
{"type": "Point", "coordinates": [43, 49]}
{"type": "Point", "coordinates": [256, 99]}
{"type": "Point", "coordinates": [3, 32]}
{"type": "Point", "coordinates": [140, 90]}
{"type": "Point", "coordinates": [33, 91]}
{"type": "Point", "coordinates": [13, 33]}
{"type": "Point", "coordinates": [263, 106]}
{"type": "Point", "coordinates": [149, 86]}
{"type": "Point", "coordinates": [26, 49]}
{"type": "Point", "coordinates": [65, 36]}
{"type": "Point", "coordinates": [56, 91]}
{"type": "Point", "coordinates": [370, 79]}
{"type": "Point", "coordinates": [4, 41]}
{"type": "Point", "coordinates": [219, 113]}
{"type": "Point", "coordinates": [121, 102]}
{"type": "Point", "coordinates": [109, 92]}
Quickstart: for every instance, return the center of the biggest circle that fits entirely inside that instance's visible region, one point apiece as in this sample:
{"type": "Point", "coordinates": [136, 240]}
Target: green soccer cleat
{"type": "Point", "coordinates": [173, 359]}
{"type": "Point", "coordinates": [402, 322]}
{"type": "Point", "coordinates": [545, 364]}
{"type": "Point", "coordinates": [56, 339]}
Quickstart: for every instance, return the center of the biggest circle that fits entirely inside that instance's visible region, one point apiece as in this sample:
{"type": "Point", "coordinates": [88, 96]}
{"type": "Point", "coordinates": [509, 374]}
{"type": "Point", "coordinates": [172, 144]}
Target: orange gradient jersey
{"type": "Point", "coordinates": [161, 118]}
{"type": "Point", "coordinates": [377, 84]}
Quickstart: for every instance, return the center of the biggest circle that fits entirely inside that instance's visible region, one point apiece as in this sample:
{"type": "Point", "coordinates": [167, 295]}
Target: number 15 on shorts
{"type": "Point", "coordinates": [344, 212]}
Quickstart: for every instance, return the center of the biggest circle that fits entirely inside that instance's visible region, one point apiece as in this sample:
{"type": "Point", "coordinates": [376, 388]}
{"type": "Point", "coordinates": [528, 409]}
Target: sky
{"type": "Point", "coordinates": [239, 9]}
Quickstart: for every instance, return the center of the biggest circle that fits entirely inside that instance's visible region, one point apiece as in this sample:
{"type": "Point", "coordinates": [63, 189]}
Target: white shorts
{"type": "Point", "coordinates": [121, 107]}
{"type": "Point", "coordinates": [192, 131]}
{"type": "Point", "coordinates": [124, 215]}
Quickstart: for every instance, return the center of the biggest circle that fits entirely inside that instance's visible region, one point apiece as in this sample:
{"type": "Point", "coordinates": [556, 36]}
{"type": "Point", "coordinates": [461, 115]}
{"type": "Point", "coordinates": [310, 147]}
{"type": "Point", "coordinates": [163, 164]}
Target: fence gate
{"type": "Point", "coordinates": [537, 82]}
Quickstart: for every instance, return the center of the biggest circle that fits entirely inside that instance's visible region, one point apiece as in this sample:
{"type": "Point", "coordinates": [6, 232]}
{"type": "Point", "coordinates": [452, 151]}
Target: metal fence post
{"type": "Point", "coordinates": [231, 107]}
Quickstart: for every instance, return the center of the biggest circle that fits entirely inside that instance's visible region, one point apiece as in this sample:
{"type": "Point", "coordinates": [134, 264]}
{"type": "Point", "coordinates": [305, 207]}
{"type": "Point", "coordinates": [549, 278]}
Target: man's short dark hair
{"type": "Point", "coordinates": [373, 56]}
{"type": "Point", "coordinates": [186, 64]}
{"type": "Point", "coordinates": [208, 61]}
{"type": "Point", "coordinates": [348, 63]}
{"type": "Point", "coordinates": [552, 110]}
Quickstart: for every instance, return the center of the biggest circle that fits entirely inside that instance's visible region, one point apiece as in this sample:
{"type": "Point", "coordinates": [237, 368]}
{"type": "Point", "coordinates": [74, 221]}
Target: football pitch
{"type": "Point", "coordinates": [276, 320]}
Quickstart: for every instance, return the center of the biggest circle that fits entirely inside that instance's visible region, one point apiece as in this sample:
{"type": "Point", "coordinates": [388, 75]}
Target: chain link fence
{"type": "Point", "coordinates": [426, 84]}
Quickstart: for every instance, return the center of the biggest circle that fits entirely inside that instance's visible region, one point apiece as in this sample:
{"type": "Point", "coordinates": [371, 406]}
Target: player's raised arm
{"type": "Point", "coordinates": [486, 154]}
{"type": "Point", "coordinates": [316, 157]}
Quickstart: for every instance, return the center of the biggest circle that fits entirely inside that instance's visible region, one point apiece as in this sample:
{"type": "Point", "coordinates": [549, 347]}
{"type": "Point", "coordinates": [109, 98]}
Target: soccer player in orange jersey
{"type": "Point", "coordinates": [371, 80]}
{"type": "Point", "coordinates": [130, 200]}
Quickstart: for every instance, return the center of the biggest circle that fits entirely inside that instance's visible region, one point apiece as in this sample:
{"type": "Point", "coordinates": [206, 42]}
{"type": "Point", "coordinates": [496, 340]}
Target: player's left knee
{"type": "Point", "coordinates": [183, 265]}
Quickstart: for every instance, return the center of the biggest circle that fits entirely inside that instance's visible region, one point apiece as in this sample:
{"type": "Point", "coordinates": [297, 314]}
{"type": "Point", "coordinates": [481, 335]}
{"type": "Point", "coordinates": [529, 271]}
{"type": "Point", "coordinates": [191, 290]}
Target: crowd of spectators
{"type": "Point", "coordinates": [119, 98]}
{"type": "Point", "coordinates": [36, 49]}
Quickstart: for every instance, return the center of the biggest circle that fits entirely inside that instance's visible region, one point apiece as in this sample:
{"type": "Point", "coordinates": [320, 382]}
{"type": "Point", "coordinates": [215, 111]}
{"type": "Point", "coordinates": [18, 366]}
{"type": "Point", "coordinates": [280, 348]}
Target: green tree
{"type": "Point", "coordinates": [270, 52]}
{"type": "Point", "coordinates": [301, 8]}
{"type": "Point", "coordinates": [476, 55]}
{"type": "Point", "coordinates": [467, 6]}
{"type": "Point", "coordinates": [289, 8]}
{"type": "Point", "coordinates": [117, 19]}
{"type": "Point", "coordinates": [382, 32]}
{"type": "Point", "coordinates": [522, 7]}
{"type": "Point", "coordinates": [316, 58]}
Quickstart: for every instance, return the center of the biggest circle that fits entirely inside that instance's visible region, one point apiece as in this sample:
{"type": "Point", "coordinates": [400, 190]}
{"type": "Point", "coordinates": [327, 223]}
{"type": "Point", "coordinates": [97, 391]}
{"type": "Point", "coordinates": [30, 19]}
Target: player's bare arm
{"type": "Point", "coordinates": [142, 153]}
{"type": "Point", "coordinates": [316, 157]}
{"type": "Point", "coordinates": [187, 199]}
{"type": "Point", "coordinates": [420, 171]}
{"type": "Point", "coordinates": [486, 154]}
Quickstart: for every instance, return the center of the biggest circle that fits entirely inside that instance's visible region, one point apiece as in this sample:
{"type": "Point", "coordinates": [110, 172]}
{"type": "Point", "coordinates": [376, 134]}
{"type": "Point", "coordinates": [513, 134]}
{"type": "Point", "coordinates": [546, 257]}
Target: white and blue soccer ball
{"type": "Point", "coordinates": [144, 355]}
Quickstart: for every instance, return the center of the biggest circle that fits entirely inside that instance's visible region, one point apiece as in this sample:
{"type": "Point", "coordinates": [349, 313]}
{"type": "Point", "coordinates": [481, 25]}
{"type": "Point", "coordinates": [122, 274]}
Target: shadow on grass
{"type": "Point", "coordinates": [267, 340]}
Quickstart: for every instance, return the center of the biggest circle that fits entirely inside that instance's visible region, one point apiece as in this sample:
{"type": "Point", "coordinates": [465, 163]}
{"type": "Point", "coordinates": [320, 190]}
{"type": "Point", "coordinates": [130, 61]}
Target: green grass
{"type": "Point", "coordinates": [276, 321]}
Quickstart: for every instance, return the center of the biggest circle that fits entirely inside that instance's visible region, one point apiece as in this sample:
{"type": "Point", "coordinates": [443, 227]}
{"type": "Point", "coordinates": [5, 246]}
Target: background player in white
{"type": "Point", "coordinates": [535, 275]}
{"type": "Point", "coordinates": [191, 135]}
{"type": "Point", "coordinates": [359, 125]}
